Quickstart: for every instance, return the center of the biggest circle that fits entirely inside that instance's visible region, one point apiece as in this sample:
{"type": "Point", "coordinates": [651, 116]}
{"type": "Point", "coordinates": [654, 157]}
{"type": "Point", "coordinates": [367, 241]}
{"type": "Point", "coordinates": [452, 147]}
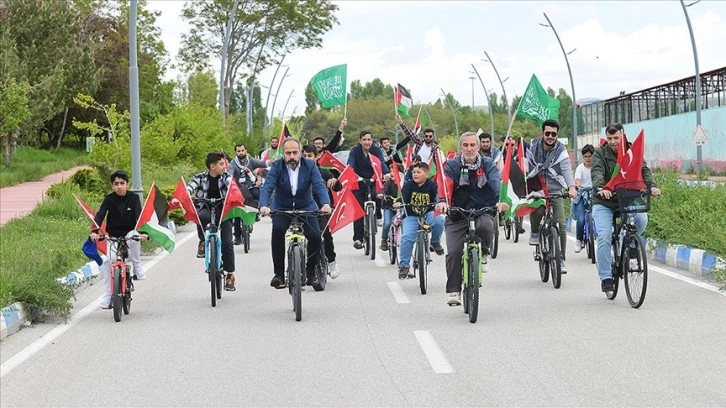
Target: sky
{"type": "Point", "coordinates": [428, 46]}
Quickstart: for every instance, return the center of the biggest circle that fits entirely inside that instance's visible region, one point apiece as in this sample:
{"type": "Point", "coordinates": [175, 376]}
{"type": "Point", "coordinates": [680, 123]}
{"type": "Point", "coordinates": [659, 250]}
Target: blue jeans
{"type": "Point", "coordinates": [603, 217]}
{"type": "Point", "coordinates": [388, 214]}
{"type": "Point", "coordinates": [578, 209]}
{"type": "Point", "coordinates": [410, 228]}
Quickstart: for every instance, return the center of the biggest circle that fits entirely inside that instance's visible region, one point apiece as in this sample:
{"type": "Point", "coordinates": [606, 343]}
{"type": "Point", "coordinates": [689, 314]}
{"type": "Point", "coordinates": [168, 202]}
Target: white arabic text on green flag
{"type": "Point", "coordinates": [330, 85]}
{"type": "Point", "coordinates": [536, 104]}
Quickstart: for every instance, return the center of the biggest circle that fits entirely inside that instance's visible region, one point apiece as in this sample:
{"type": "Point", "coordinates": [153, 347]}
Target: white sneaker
{"type": "Point", "coordinates": [578, 246]}
{"type": "Point", "coordinates": [139, 274]}
{"type": "Point", "coordinates": [454, 299]}
{"type": "Point", "coordinates": [105, 302]}
{"type": "Point", "coordinates": [487, 264]}
{"type": "Point", "coordinates": [379, 222]}
{"type": "Point", "coordinates": [333, 270]}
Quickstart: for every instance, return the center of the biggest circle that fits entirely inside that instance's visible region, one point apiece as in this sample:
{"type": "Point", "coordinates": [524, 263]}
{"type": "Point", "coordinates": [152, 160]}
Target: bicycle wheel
{"type": "Point", "coordinates": [296, 267]}
{"type": "Point", "coordinates": [495, 240]}
{"type": "Point", "coordinates": [366, 234]}
{"type": "Point", "coordinates": [473, 285]}
{"type": "Point", "coordinates": [615, 270]}
{"type": "Point", "coordinates": [591, 239]}
{"type": "Point", "coordinates": [544, 265]}
{"type": "Point", "coordinates": [127, 294]}
{"type": "Point", "coordinates": [321, 271]}
{"type": "Point", "coordinates": [555, 254]}
{"type": "Point", "coordinates": [634, 270]}
{"type": "Point", "coordinates": [507, 229]}
{"type": "Point", "coordinates": [372, 232]}
{"type": "Point", "coordinates": [220, 283]}
{"type": "Point", "coordinates": [392, 248]}
{"type": "Point", "coordinates": [116, 295]}
{"type": "Point", "coordinates": [421, 247]}
{"type": "Point", "coordinates": [246, 237]}
{"type": "Point", "coordinates": [212, 272]}
{"type": "Point", "coordinates": [515, 228]}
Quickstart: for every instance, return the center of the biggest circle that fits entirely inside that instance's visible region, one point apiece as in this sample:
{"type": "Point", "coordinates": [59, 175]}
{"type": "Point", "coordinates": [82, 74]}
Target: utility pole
{"type": "Point", "coordinates": [136, 186]}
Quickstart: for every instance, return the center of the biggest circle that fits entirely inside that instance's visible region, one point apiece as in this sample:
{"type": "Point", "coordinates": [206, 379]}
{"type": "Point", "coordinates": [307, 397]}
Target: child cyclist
{"type": "Point", "coordinates": [388, 197]}
{"type": "Point", "coordinates": [121, 209]}
{"type": "Point", "coordinates": [419, 196]}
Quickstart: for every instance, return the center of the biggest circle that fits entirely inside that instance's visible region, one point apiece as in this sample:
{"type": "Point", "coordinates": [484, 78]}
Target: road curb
{"type": "Point", "coordinates": [692, 260]}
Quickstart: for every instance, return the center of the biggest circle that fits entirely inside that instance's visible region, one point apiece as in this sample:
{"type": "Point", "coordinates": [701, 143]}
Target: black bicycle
{"type": "Point", "coordinates": [369, 220]}
{"type": "Point", "coordinates": [245, 236]}
{"type": "Point", "coordinates": [421, 255]}
{"type": "Point", "coordinates": [548, 252]}
{"type": "Point", "coordinates": [511, 227]}
{"type": "Point", "coordinates": [296, 257]}
{"type": "Point", "coordinates": [471, 268]}
{"type": "Point", "coordinates": [629, 262]}
{"type": "Point", "coordinates": [213, 249]}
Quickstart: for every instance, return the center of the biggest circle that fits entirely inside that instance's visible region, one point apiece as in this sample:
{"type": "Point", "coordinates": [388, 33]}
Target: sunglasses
{"type": "Point", "coordinates": [429, 136]}
{"type": "Point", "coordinates": [548, 134]}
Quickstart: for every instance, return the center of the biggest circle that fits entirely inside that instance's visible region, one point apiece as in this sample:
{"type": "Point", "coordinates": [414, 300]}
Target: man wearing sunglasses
{"type": "Point", "coordinates": [550, 170]}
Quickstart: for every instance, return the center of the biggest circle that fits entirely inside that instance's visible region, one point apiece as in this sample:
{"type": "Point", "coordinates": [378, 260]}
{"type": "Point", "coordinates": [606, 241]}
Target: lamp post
{"type": "Point", "coordinates": [699, 152]}
{"type": "Point", "coordinates": [572, 84]}
{"type": "Point", "coordinates": [453, 112]}
{"type": "Point", "coordinates": [282, 117]}
{"type": "Point", "coordinates": [134, 103]}
{"type": "Point", "coordinates": [277, 93]}
{"type": "Point", "coordinates": [472, 92]}
{"type": "Point", "coordinates": [267, 102]}
{"type": "Point", "coordinates": [486, 95]}
{"type": "Point", "coordinates": [504, 91]}
{"type": "Point", "coordinates": [225, 46]}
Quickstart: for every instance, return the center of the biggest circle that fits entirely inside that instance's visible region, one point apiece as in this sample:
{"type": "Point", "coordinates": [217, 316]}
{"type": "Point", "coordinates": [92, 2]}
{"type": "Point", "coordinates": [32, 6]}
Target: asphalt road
{"type": "Point", "coordinates": [364, 342]}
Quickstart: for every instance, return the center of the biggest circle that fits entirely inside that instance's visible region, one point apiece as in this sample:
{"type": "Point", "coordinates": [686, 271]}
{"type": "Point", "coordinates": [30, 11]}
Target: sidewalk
{"type": "Point", "coordinates": [20, 200]}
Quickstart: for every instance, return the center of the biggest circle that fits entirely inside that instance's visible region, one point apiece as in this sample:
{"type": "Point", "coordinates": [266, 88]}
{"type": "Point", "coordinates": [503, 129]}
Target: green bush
{"type": "Point", "coordinates": [691, 216]}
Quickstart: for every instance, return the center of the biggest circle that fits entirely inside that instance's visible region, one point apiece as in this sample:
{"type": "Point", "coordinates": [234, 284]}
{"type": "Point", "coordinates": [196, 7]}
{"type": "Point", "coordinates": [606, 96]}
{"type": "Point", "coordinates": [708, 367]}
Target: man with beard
{"type": "Point", "coordinates": [549, 167]}
{"type": "Point", "coordinates": [335, 142]}
{"type": "Point", "coordinates": [486, 149]}
{"type": "Point", "coordinates": [269, 153]}
{"type": "Point", "coordinates": [426, 147]}
{"type": "Point", "coordinates": [242, 169]}
{"type": "Point", "coordinates": [294, 180]}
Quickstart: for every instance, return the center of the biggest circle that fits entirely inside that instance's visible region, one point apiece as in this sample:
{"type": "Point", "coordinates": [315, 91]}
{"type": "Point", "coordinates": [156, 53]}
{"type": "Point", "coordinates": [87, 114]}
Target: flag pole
{"type": "Point", "coordinates": [345, 106]}
{"type": "Point", "coordinates": [395, 106]}
{"type": "Point", "coordinates": [511, 122]}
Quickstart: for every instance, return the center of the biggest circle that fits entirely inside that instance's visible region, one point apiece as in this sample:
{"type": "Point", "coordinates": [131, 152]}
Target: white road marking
{"type": "Point", "coordinates": [18, 359]}
{"type": "Point", "coordinates": [398, 292]}
{"type": "Point", "coordinates": [436, 357]}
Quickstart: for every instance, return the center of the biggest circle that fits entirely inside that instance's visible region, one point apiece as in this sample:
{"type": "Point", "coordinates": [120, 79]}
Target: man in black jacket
{"type": "Point", "coordinates": [335, 142]}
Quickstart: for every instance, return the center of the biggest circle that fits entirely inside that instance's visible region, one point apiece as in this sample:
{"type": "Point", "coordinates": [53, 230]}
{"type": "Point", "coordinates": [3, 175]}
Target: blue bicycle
{"type": "Point", "coordinates": [590, 234]}
{"type": "Point", "coordinates": [213, 249]}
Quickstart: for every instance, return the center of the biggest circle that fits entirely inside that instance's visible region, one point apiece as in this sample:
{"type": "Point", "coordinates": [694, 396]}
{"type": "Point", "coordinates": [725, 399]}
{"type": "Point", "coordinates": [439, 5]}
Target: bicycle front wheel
{"type": "Point", "coordinates": [296, 268]}
{"type": "Point", "coordinates": [507, 229]}
{"type": "Point", "coordinates": [116, 295]}
{"type": "Point", "coordinates": [246, 237]}
{"type": "Point", "coordinates": [555, 254]}
{"type": "Point", "coordinates": [372, 231]}
{"type": "Point", "coordinates": [544, 265]}
{"type": "Point", "coordinates": [392, 248]}
{"type": "Point", "coordinates": [590, 239]}
{"type": "Point", "coordinates": [212, 253]}
{"type": "Point", "coordinates": [515, 229]}
{"type": "Point", "coordinates": [321, 271]}
{"type": "Point", "coordinates": [634, 270]}
{"type": "Point", "coordinates": [127, 293]}
{"type": "Point", "coordinates": [421, 249]}
{"type": "Point", "coordinates": [473, 285]}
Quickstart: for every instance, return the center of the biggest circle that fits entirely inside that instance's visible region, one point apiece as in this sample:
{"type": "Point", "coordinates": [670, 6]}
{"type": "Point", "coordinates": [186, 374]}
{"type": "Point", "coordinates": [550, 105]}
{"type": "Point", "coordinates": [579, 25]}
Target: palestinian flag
{"type": "Point", "coordinates": [154, 221]}
{"type": "Point", "coordinates": [538, 185]}
{"type": "Point", "coordinates": [234, 206]}
{"type": "Point", "coordinates": [403, 101]}
{"type": "Point", "coordinates": [284, 134]}
{"type": "Point", "coordinates": [506, 192]}
{"type": "Point", "coordinates": [420, 122]}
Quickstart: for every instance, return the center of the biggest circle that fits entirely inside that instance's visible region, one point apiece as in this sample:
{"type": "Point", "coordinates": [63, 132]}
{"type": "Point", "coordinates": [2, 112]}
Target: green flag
{"type": "Point", "coordinates": [331, 86]}
{"type": "Point", "coordinates": [536, 104]}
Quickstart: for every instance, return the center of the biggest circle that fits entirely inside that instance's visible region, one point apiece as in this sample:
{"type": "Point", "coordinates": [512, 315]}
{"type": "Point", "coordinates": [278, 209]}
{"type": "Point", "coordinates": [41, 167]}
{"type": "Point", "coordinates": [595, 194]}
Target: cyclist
{"type": "Point", "coordinates": [121, 210]}
{"type": "Point", "coordinates": [359, 160]}
{"type": "Point", "coordinates": [582, 181]}
{"type": "Point", "coordinates": [310, 152]}
{"type": "Point", "coordinates": [269, 153]}
{"type": "Point", "coordinates": [604, 161]}
{"type": "Point", "coordinates": [417, 196]}
{"type": "Point", "coordinates": [242, 169]}
{"type": "Point", "coordinates": [489, 150]}
{"type": "Point", "coordinates": [294, 180]}
{"type": "Point", "coordinates": [550, 170]}
{"type": "Point", "coordinates": [335, 142]}
{"type": "Point", "coordinates": [214, 183]}
{"type": "Point", "coordinates": [391, 152]}
{"type": "Point", "coordinates": [475, 182]}
{"type": "Point", "coordinates": [388, 198]}
{"type": "Point", "coordinates": [426, 147]}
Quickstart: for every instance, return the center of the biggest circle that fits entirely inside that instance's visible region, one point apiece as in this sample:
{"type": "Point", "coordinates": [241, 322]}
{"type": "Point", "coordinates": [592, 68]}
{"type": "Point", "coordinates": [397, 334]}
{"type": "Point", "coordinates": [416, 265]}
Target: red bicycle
{"type": "Point", "coordinates": [121, 283]}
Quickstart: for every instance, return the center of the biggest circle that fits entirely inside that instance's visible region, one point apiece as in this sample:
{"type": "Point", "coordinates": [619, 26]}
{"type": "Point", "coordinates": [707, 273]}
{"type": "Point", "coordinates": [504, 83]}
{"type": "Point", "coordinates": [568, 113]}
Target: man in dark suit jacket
{"type": "Point", "coordinates": [294, 180]}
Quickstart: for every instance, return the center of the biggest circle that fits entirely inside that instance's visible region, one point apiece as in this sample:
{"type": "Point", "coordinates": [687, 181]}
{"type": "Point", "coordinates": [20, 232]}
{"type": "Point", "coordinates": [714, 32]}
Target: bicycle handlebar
{"type": "Point", "coordinates": [297, 212]}
{"type": "Point", "coordinates": [208, 201]}
{"type": "Point", "coordinates": [118, 239]}
{"type": "Point", "coordinates": [474, 212]}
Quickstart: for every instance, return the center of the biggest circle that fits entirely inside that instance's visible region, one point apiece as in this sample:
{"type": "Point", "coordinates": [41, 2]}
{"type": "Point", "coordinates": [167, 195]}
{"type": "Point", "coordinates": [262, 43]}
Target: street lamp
{"type": "Point", "coordinates": [277, 93]}
{"type": "Point", "coordinates": [225, 46]}
{"type": "Point", "coordinates": [267, 102]}
{"type": "Point", "coordinates": [699, 152]}
{"type": "Point", "coordinates": [504, 91]}
{"type": "Point", "coordinates": [472, 92]}
{"type": "Point", "coordinates": [136, 187]}
{"type": "Point", "coordinates": [572, 84]}
{"type": "Point", "coordinates": [486, 95]}
{"type": "Point", "coordinates": [453, 112]}
{"type": "Point", "coordinates": [282, 117]}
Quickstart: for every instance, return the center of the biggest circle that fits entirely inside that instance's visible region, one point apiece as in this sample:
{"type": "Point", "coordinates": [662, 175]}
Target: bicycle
{"type": "Point", "coordinates": [121, 283]}
{"type": "Point", "coordinates": [629, 262]}
{"type": "Point", "coordinates": [589, 226]}
{"type": "Point", "coordinates": [322, 268]}
{"type": "Point", "coordinates": [245, 236]}
{"type": "Point", "coordinates": [394, 237]}
{"type": "Point", "coordinates": [494, 250]}
{"type": "Point", "coordinates": [548, 252]}
{"type": "Point", "coordinates": [213, 249]}
{"type": "Point", "coordinates": [421, 255]}
{"type": "Point", "coordinates": [369, 220]}
{"type": "Point", "coordinates": [471, 269]}
{"type": "Point", "coordinates": [296, 257]}
{"type": "Point", "coordinates": [511, 228]}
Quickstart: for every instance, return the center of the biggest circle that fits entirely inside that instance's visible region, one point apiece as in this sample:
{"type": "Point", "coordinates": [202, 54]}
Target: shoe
{"type": "Point", "coordinates": [578, 246]}
{"type": "Point", "coordinates": [486, 264]}
{"type": "Point", "coordinates": [607, 285]}
{"type": "Point", "coordinates": [379, 222]}
{"type": "Point", "coordinates": [437, 248]}
{"type": "Point", "coordinates": [454, 299]}
{"type": "Point", "coordinates": [520, 230]}
{"type": "Point", "coordinates": [238, 241]}
{"type": "Point", "coordinates": [139, 274]}
{"type": "Point", "coordinates": [403, 272]}
{"type": "Point", "coordinates": [333, 269]}
{"type": "Point", "coordinates": [229, 283]}
{"type": "Point", "coordinates": [105, 302]}
{"type": "Point", "coordinates": [384, 245]}
{"type": "Point", "coordinates": [563, 268]}
{"type": "Point", "coordinates": [313, 279]}
{"type": "Point", "coordinates": [357, 244]}
{"type": "Point", "coordinates": [534, 238]}
{"type": "Point", "coordinates": [278, 282]}
{"type": "Point", "coordinates": [200, 250]}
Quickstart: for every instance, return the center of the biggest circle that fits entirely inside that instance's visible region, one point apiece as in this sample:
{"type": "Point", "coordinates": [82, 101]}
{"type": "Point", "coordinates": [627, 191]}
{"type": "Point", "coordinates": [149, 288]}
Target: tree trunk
{"type": "Point", "coordinates": [63, 129]}
{"type": "Point", "coordinates": [6, 150]}
{"type": "Point", "coordinates": [14, 143]}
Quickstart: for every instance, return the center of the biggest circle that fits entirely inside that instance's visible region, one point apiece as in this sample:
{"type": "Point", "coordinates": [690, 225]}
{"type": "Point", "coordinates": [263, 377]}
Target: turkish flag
{"type": "Point", "coordinates": [345, 212]}
{"type": "Point", "coordinates": [329, 161]}
{"type": "Point", "coordinates": [377, 172]}
{"type": "Point", "coordinates": [630, 163]}
{"type": "Point", "coordinates": [396, 175]}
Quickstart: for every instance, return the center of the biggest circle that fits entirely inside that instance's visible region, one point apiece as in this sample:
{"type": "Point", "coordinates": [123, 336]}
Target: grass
{"type": "Point", "coordinates": [32, 164]}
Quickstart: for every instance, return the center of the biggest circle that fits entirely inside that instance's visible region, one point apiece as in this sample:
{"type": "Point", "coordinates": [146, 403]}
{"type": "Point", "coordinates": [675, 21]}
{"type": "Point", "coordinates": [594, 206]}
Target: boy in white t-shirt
{"type": "Point", "coordinates": [583, 182]}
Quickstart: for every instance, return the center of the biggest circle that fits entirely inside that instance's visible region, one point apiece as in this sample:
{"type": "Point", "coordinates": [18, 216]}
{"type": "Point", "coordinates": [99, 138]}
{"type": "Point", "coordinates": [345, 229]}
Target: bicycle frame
{"type": "Point", "coordinates": [122, 253]}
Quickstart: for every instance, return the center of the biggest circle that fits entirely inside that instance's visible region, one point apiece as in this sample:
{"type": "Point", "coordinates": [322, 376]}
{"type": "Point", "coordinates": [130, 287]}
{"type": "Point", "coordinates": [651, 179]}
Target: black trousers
{"type": "Point", "coordinates": [226, 233]}
{"type": "Point", "coordinates": [327, 238]}
{"type": "Point", "coordinates": [311, 229]}
{"type": "Point", "coordinates": [361, 196]}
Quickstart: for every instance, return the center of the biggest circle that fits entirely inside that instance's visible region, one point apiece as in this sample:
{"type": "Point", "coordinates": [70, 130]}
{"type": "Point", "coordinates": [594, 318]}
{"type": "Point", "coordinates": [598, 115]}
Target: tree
{"type": "Point", "coordinates": [202, 89]}
{"type": "Point", "coordinates": [13, 111]}
{"type": "Point", "coordinates": [311, 100]}
{"type": "Point", "coordinates": [260, 32]}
